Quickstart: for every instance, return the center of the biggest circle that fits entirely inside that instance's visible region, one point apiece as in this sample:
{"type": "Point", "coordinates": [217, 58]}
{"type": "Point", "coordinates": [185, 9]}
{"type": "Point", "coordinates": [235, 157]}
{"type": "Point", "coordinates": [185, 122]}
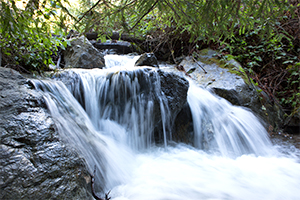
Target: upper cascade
{"type": "Point", "coordinates": [142, 100]}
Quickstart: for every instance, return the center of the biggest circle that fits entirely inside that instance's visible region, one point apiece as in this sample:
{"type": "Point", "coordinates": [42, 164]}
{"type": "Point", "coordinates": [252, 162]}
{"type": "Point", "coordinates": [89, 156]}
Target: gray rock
{"type": "Point", "coordinates": [228, 80]}
{"type": "Point", "coordinates": [35, 163]}
{"type": "Point", "coordinates": [175, 89]}
{"type": "Point", "coordinates": [82, 54]}
{"type": "Point", "coordinates": [147, 59]}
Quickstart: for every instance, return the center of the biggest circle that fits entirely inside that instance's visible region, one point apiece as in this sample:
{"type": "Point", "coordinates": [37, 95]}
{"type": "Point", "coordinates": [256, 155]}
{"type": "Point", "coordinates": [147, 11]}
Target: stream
{"type": "Point", "coordinates": [109, 119]}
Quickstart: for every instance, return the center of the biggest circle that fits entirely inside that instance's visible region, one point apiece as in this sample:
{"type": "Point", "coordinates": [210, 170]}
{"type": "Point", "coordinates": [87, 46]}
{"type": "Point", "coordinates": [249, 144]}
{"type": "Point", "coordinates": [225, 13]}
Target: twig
{"type": "Point", "coordinates": [150, 9]}
{"type": "Point", "coordinates": [181, 68]}
{"type": "Point", "coordinates": [192, 50]}
{"type": "Point", "coordinates": [283, 76]}
{"type": "Point", "coordinates": [67, 11]}
{"type": "Point", "coordinates": [18, 68]}
{"type": "Point", "coordinates": [93, 188]}
{"type": "Point", "coordinates": [199, 65]}
{"type": "Point", "coordinates": [167, 2]}
{"type": "Point", "coordinates": [88, 11]}
{"type": "Point", "coordinates": [184, 13]}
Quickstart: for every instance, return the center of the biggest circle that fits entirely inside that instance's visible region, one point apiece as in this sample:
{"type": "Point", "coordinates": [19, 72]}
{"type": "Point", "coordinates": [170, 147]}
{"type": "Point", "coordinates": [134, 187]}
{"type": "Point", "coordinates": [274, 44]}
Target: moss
{"type": "Point", "coordinates": [204, 51]}
{"type": "Point", "coordinates": [241, 74]}
{"type": "Point", "coordinates": [224, 63]}
{"type": "Point", "coordinates": [210, 61]}
{"type": "Point", "coordinates": [237, 70]}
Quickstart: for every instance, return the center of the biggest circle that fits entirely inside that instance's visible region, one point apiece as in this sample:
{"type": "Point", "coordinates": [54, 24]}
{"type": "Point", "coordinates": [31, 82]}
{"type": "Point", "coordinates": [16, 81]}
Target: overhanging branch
{"type": "Point", "coordinates": [150, 9]}
{"type": "Point", "coordinates": [89, 11]}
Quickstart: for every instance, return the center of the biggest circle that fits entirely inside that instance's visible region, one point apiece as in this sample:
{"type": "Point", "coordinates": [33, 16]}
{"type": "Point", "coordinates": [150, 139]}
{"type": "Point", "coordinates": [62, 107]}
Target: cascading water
{"type": "Point", "coordinates": [222, 127]}
{"type": "Point", "coordinates": [109, 115]}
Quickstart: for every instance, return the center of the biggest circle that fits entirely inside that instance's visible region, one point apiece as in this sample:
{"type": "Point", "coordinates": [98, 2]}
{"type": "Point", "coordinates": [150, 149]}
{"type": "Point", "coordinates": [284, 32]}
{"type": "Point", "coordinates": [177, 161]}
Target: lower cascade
{"type": "Point", "coordinates": [121, 121]}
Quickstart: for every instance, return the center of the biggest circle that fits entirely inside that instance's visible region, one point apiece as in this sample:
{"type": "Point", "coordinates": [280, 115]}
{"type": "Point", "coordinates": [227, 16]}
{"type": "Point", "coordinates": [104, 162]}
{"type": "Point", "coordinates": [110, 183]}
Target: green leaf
{"type": "Point", "coordinates": [295, 73]}
{"type": "Point", "coordinates": [63, 47]}
{"type": "Point", "coordinates": [288, 61]}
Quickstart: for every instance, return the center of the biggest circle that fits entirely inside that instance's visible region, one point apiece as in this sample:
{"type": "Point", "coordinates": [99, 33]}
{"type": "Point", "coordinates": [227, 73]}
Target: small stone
{"type": "Point", "coordinates": [147, 59]}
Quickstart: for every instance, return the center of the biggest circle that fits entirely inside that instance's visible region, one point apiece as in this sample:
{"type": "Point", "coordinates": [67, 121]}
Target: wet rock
{"type": "Point", "coordinates": [183, 130]}
{"type": "Point", "coordinates": [35, 163]}
{"type": "Point", "coordinates": [147, 59]}
{"type": "Point", "coordinates": [119, 47]}
{"type": "Point", "coordinates": [175, 89]}
{"type": "Point", "coordinates": [82, 54]}
{"type": "Point", "coordinates": [228, 80]}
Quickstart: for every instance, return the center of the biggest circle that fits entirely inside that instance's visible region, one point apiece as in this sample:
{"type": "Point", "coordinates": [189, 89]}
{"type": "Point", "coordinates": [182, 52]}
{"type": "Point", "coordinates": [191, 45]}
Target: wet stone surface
{"type": "Point", "coordinates": [35, 164]}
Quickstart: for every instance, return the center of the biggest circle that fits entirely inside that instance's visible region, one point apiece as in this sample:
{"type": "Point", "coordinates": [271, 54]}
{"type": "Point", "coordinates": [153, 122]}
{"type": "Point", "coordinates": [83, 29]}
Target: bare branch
{"type": "Point", "coordinates": [93, 188]}
{"type": "Point", "coordinates": [89, 10]}
{"type": "Point", "coordinates": [150, 9]}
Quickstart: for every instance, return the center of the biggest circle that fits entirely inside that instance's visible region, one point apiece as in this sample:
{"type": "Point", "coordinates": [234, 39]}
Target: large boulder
{"type": "Point", "coordinates": [35, 163]}
{"type": "Point", "coordinates": [82, 54]}
{"type": "Point", "coordinates": [175, 89]}
{"type": "Point", "coordinates": [228, 80]}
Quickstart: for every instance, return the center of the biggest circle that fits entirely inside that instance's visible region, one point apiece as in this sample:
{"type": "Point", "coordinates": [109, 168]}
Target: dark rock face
{"type": "Point", "coordinates": [35, 164]}
{"type": "Point", "coordinates": [147, 59]}
{"type": "Point", "coordinates": [183, 130]}
{"type": "Point", "coordinates": [82, 54]}
{"type": "Point", "coordinates": [175, 89]}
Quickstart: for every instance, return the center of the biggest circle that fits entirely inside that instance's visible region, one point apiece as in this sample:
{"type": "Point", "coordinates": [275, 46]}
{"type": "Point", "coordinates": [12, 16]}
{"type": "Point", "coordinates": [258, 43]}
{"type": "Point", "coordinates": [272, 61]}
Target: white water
{"type": "Point", "coordinates": [233, 158]}
{"type": "Point", "coordinates": [236, 131]}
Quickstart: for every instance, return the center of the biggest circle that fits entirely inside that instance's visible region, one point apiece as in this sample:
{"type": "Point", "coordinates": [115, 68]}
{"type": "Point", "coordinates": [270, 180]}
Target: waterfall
{"type": "Point", "coordinates": [221, 126]}
{"type": "Point", "coordinates": [123, 97]}
{"type": "Point", "coordinates": [109, 116]}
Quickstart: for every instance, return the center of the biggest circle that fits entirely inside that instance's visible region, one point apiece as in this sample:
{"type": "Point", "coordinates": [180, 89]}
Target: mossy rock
{"type": "Point", "coordinates": [227, 79]}
{"type": "Point", "coordinates": [210, 57]}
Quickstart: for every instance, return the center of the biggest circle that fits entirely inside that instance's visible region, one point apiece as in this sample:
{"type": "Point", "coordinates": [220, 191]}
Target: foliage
{"type": "Point", "coordinates": [290, 95]}
{"type": "Point", "coordinates": [211, 20]}
{"type": "Point", "coordinates": [260, 34]}
{"type": "Point", "coordinates": [273, 61]}
{"type": "Point", "coordinates": [26, 40]}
